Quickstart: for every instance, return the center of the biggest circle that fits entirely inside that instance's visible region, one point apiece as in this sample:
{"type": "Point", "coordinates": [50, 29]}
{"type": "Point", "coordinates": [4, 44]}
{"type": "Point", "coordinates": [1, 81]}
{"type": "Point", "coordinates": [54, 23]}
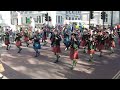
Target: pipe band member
{"type": "Point", "coordinates": [112, 42]}
{"type": "Point", "coordinates": [36, 44]}
{"type": "Point", "coordinates": [56, 45]}
{"type": "Point", "coordinates": [26, 38]}
{"type": "Point", "coordinates": [66, 40]}
{"type": "Point", "coordinates": [91, 47]}
{"type": "Point", "coordinates": [118, 36]}
{"type": "Point", "coordinates": [7, 41]}
{"type": "Point", "coordinates": [18, 42]}
{"type": "Point", "coordinates": [83, 43]}
{"type": "Point", "coordinates": [44, 36]}
{"type": "Point", "coordinates": [74, 49]}
{"type": "Point", "coordinates": [100, 42]}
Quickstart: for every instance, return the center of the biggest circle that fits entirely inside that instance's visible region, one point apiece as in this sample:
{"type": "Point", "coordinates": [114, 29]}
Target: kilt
{"type": "Point", "coordinates": [100, 47]}
{"type": "Point", "coordinates": [36, 46]}
{"type": "Point", "coordinates": [91, 51]}
{"type": "Point", "coordinates": [18, 43]}
{"type": "Point", "coordinates": [73, 54]}
{"type": "Point", "coordinates": [56, 49]}
{"type": "Point", "coordinates": [7, 42]}
{"type": "Point", "coordinates": [83, 43]}
{"type": "Point", "coordinates": [26, 39]}
{"type": "Point", "coordinates": [112, 44]}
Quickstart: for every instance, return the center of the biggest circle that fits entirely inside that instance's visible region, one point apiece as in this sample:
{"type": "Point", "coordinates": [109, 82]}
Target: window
{"type": "Point", "coordinates": [39, 19]}
{"type": "Point", "coordinates": [69, 18]}
{"type": "Point", "coordinates": [58, 19]}
{"type": "Point", "coordinates": [78, 18]}
{"type": "Point", "coordinates": [73, 18]}
{"type": "Point", "coordinates": [61, 19]}
{"type": "Point", "coordinates": [106, 18]}
{"type": "Point", "coordinates": [26, 19]}
{"type": "Point", "coordinates": [66, 18]}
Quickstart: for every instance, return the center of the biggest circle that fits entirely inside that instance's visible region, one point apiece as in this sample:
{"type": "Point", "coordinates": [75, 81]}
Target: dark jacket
{"type": "Point", "coordinates": [56, 42]}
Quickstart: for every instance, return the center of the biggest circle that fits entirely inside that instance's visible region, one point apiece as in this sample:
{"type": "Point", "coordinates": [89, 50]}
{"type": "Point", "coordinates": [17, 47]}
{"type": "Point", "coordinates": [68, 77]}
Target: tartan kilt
{"type": "Point", "coordinates": [56, 49]}
{"type": "Point", "coordinates": [26, 39]}
{"type": "Point", "coordinates": [73, 54]}
{"type": "Point", "coordinates": [83, 43]}
{"type": "Point", "coordinates": [100, 47]}
{"type": "Point", "coordinates": [112, 44]}
{"type": "Point", "coordinates": [18, 43]}
{"type": "Point", "coordinates": [91, 51]}
{"type": "Point", "coordinates": [7, 42]}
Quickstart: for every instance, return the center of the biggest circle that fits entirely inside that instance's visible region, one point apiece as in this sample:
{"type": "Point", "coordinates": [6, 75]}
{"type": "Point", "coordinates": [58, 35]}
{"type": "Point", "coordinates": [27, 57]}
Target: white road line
{"type": "Point", "coordinates": [117, 75]}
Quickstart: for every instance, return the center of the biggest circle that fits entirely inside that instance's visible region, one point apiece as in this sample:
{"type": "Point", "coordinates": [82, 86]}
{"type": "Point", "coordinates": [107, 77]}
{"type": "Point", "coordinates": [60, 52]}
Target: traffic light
{"type": "Point", "coordinates": [91, 15]}
{"type": "Point", "coordinates": [103, 15]}
{"type": "Point", "coordinates": [49, 18]}
{"type": "Point", "coordinates": [46, 17]}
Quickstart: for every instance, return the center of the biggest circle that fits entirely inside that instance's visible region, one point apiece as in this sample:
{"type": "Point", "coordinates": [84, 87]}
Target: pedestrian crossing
{"type": "Point", "coordinates": [117, 76]}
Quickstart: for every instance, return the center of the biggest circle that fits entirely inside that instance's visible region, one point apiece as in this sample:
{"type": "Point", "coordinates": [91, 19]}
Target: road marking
{"type": "Point", "coordinates": [116, 76]}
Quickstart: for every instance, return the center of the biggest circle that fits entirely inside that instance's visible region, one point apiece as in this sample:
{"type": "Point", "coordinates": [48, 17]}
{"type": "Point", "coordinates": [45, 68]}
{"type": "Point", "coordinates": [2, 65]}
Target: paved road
{"type": "Point", "coordinates": [26, 66]}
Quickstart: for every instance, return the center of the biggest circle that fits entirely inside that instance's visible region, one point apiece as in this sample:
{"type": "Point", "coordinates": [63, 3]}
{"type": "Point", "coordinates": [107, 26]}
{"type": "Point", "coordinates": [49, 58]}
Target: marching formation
{"type": "Point", "coordinates": [89, 40]}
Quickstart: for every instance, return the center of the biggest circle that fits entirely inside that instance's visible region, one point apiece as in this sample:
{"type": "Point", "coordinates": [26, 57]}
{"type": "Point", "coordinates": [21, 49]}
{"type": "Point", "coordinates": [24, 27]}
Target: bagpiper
{"type": "Point", "coordinates": [26, 38]}
{"type": "Point", "coordinates": [36, 44]}
{"type": "Point", "coordinates": [7, 41]}
{"type": "Point", "coordinates": [56, 45]}
{"type": "Point", "coordinates": [18, 41]}
{"type": "Point", "coordinates": [91, 47]}
{"type": "Point", "coordinates": [112, 41]}
{"type": "Point", "coordinates": [74, 43]}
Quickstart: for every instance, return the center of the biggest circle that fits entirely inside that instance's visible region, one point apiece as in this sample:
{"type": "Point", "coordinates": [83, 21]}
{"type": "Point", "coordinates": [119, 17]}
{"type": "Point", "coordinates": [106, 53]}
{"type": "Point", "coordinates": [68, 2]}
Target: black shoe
{"type": "Point", "coordinates": [19, 50]}
{"type": "Point", "coordinates": [56, 61]}
{"type": "Point", "coordinates": [72, 68]}
{"type": "Point", "coordinates": [27, 45]}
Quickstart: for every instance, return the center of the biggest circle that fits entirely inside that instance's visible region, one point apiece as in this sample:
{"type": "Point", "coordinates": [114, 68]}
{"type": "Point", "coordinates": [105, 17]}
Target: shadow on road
{"type": "Point", "coordinates": [43, 67]}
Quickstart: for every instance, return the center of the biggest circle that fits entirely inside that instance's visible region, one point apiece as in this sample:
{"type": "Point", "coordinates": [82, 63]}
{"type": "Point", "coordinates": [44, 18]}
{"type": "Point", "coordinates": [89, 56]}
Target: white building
{"type": "Point", "coordinates": [97, 17]}
{"type": "Point", "coordinates": [115, 17]}
{"type": "Point", "coordinates": [5, 17]}
{"type": "Point", "coordinates": [57, 17]}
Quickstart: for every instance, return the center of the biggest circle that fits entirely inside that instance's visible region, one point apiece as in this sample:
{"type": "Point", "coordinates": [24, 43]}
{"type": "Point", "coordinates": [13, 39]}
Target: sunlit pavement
{"type": "Point", "coordinates": [26, 66]}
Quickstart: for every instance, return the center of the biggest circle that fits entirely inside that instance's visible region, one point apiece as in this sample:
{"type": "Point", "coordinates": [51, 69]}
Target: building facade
{"type": "Point", "coordinates": [97, 17]}
{"type": "Point", "coordinates": [5, 17]}
{"type": "Point", "coordinates": [58, 17]}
